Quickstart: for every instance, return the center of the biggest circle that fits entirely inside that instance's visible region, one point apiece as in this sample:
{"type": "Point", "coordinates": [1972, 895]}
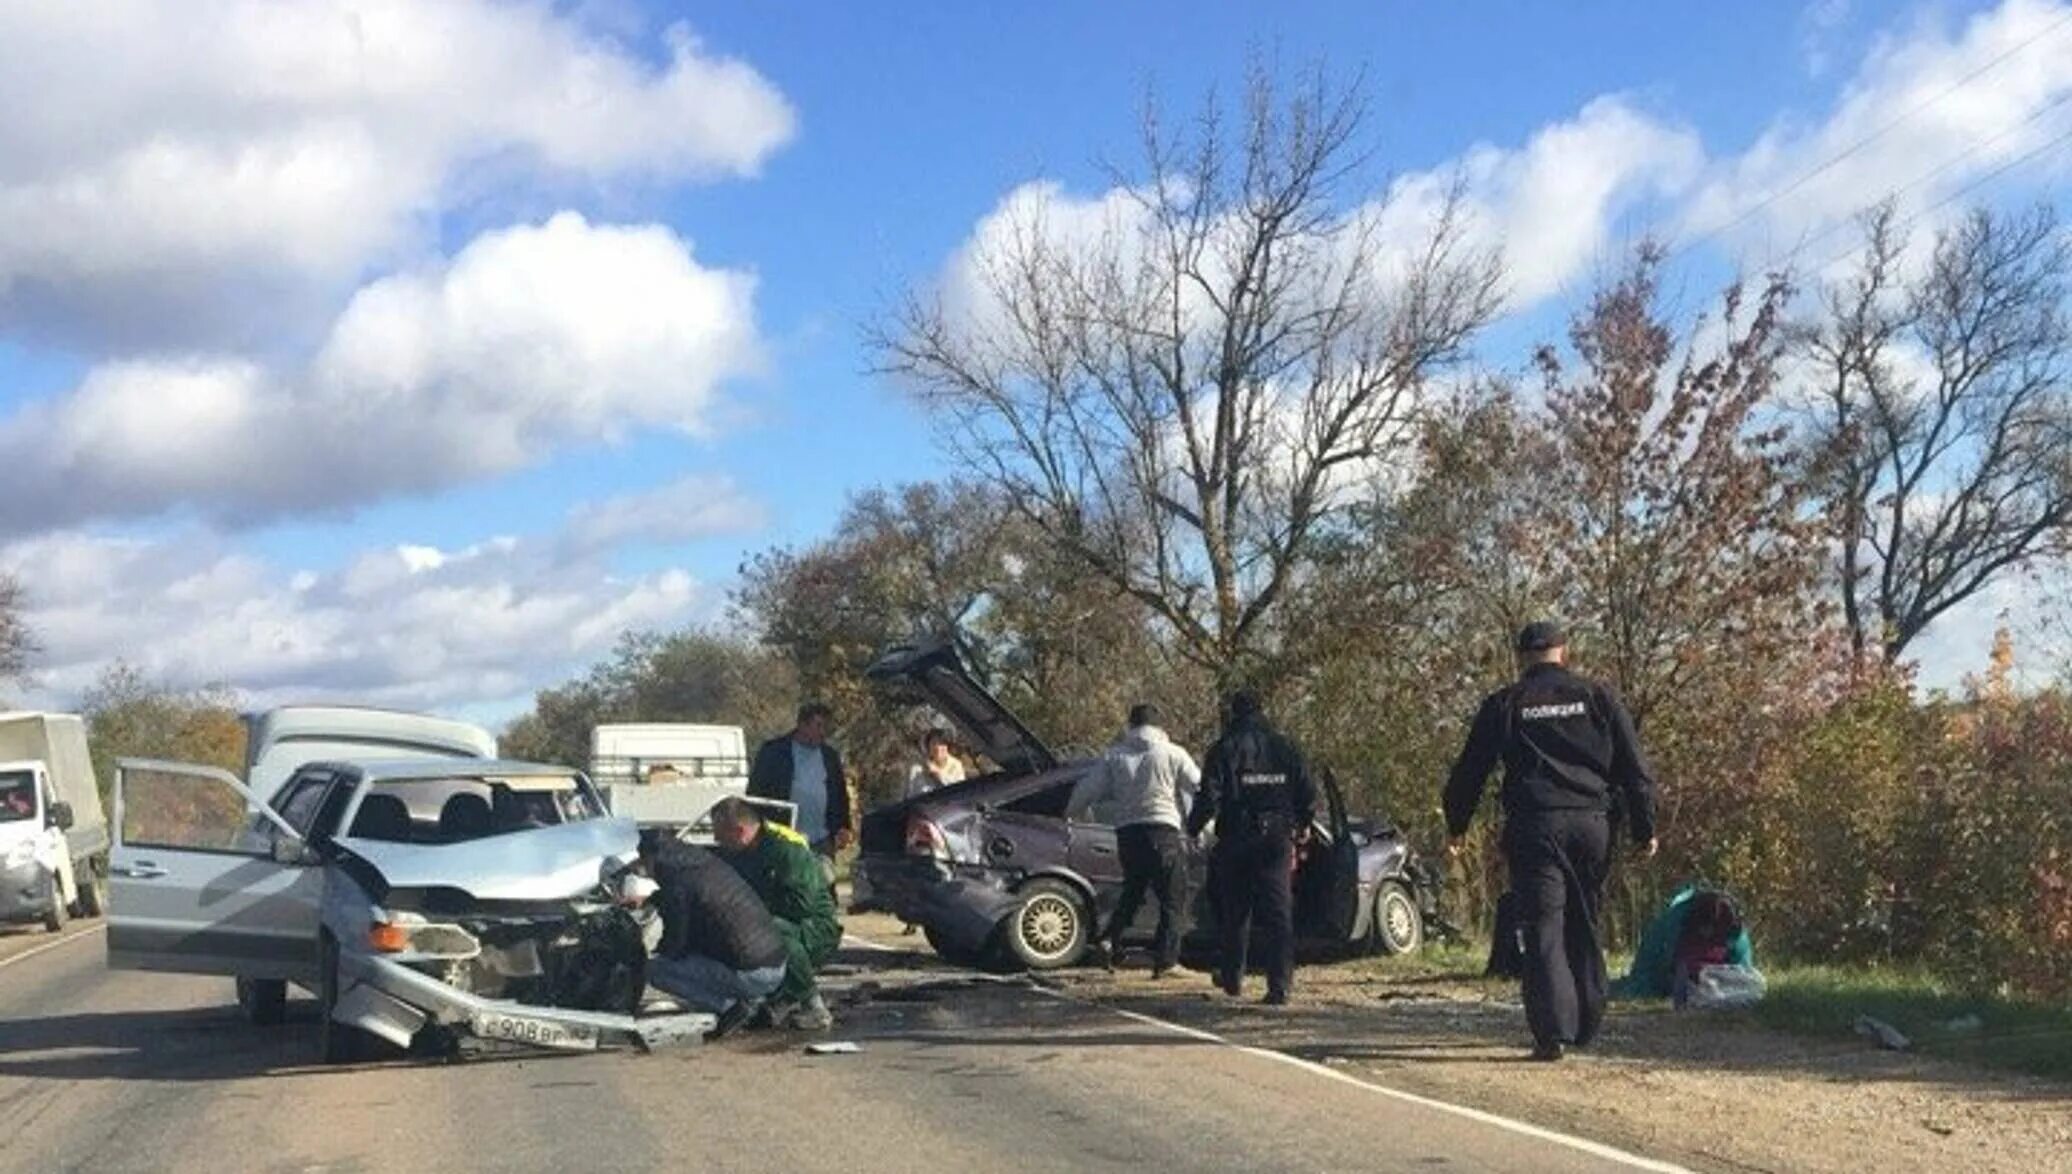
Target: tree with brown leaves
{"type": "Point", "coordinates": [1676, 511]}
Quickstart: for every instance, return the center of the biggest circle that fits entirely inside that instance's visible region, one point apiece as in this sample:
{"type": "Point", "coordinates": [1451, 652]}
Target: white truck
{"type": "Point", "coordinates": [671, 774]}
{"type": "Point", "coordinates": [53, 836]}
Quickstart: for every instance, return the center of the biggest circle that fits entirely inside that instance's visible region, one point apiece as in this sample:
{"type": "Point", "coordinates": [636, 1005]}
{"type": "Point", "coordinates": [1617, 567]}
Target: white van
{"type": "Point", "coordinates": [671, 774]}
{"type": "Point", "coordinates": [53, 837]}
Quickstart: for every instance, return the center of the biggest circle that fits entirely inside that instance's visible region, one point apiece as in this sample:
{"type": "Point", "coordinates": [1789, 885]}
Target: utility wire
{"type": "Point", "coordinates": [1925, 176]}
{"type": "Point", "coordinates": [2025, 157]}
{"type": "Point", "coordinates": [1847, 152]}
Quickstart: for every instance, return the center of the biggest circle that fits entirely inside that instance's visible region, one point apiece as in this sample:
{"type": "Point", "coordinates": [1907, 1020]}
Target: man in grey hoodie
{"type": "Point", "coordinates": [1144, 786]}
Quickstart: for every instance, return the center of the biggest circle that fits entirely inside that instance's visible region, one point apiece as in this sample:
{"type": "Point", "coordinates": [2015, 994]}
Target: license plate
{"type": "Point", "coordinates": [538, 1032]}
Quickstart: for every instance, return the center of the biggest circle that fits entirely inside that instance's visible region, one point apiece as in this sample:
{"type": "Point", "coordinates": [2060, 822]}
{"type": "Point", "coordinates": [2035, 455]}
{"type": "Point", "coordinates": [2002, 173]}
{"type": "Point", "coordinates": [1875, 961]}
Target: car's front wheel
{"type": "Point", "coordinates": [1049, 927]}
{"type": "Point", "coordinates": [1397, 926]}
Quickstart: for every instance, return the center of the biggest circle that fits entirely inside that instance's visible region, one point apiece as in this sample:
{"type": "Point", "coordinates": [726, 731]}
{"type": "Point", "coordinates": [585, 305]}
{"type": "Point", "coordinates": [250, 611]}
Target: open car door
{"type": "Point", "coordinates": [203, 878]}
{"type": "Point", "coordinates": [1327, 900]}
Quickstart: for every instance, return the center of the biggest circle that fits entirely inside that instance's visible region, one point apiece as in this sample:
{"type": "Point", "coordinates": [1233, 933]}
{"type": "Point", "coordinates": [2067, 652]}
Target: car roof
{"type": "Point", "coordinates": [388, 770]}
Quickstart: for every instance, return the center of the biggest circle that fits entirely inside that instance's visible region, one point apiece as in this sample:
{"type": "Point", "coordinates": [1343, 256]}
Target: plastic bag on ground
{"type": "Point", "coordinates": [1717, 988]}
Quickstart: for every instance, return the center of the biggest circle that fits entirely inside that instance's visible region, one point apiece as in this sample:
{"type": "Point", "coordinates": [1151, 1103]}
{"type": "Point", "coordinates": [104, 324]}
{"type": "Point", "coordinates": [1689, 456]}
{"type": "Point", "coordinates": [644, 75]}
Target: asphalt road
{"type": "Point", "coordinates": [112, 1071]}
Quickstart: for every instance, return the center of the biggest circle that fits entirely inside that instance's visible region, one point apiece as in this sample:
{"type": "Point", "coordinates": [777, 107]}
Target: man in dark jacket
{"type": "Point", "coordinates": [1569, 749]}
{"type": "Point", "coordinates": [1257, 789]}
{"type": "Point", "coordinates": [802, 768]}
{"type": "Point", "coordinates": [782, 870]}
{"type": "Point", "coordinates": [720, 950]}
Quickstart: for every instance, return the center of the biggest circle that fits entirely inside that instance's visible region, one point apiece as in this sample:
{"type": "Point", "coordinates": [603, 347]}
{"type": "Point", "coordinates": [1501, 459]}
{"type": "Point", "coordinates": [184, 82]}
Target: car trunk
{"type": "Point", "coordinates": [931, 674]}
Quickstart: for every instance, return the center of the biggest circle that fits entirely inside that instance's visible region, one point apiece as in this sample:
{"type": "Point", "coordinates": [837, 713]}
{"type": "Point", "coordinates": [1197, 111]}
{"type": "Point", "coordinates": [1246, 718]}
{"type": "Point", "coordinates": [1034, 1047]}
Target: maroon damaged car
{"type": "Point", "coordinates": [994, 874]}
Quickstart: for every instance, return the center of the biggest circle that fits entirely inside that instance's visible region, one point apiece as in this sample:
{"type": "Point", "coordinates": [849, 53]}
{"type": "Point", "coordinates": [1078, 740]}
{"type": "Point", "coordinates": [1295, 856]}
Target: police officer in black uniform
{"type": "Point", "coordinates": [1570, 756]}
{"type": "Point", "coordinates": [1257, 789]}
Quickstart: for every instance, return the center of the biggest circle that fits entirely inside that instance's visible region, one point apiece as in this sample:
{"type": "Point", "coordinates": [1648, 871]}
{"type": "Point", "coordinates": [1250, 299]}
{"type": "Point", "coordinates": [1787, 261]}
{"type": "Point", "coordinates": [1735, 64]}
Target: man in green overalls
{"type": "Point", "coordinates": [780, 865]}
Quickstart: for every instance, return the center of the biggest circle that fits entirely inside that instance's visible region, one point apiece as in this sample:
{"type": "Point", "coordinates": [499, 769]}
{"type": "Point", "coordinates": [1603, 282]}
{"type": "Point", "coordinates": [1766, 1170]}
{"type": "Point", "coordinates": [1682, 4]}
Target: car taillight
{"type": "Point", "coordinates": [923, 838]}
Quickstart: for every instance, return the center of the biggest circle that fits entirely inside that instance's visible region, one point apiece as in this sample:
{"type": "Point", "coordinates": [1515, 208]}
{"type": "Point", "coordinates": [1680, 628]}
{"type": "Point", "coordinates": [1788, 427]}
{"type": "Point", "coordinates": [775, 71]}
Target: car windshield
{"type": "Point", "coordinates": [455, 810]}
{"type": "Point", "coordinates": [17, 796]}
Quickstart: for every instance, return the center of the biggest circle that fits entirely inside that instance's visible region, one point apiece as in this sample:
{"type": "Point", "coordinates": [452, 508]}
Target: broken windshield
{"type": "Point", "coordinates": [456, 810]}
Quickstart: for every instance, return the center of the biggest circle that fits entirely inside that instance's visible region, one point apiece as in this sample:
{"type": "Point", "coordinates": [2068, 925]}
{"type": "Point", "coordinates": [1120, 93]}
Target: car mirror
{"type": "Point", "coordinates": [289, 850]}
{"type": "Point", "coordinates": [61, 816]}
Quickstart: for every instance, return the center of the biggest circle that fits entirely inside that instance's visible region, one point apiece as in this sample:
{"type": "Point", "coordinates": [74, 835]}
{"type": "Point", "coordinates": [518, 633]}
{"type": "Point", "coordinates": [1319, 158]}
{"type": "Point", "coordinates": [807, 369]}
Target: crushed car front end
{"type": "Point", "coordinates": [546, 960]}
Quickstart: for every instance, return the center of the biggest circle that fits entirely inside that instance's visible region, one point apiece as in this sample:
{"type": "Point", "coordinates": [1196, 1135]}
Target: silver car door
{"type": "Point", "coordinates": [197, 886]}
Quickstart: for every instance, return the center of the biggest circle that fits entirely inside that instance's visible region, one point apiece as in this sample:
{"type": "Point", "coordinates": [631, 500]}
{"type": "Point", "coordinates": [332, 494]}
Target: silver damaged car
{"type": "Point", "coordinates": [446, 902]}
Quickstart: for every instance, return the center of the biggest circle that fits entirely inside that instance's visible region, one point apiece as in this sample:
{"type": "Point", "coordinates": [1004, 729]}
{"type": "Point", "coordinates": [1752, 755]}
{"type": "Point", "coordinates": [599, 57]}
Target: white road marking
{"type": "Point", "coordinates": [1526, 1129]}
{"type": "Point", "coordinates": [1595, 1149]}
{"type": "Point", "coordinates": [67, 940]}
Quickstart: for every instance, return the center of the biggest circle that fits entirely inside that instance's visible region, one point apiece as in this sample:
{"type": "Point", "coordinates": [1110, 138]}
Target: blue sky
{"type": "Point", "coordinates": [183, 344]}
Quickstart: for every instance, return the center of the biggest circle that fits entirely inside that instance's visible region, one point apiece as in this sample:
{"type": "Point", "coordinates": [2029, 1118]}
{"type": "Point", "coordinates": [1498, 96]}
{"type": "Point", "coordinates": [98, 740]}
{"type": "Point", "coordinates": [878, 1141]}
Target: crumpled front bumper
{"type": "Point", "coordinates": [393, 1001]}
{"type": "Point", "coordinates": [24, 891]}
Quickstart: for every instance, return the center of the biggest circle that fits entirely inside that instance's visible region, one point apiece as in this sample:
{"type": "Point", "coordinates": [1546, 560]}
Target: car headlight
{"type": "Point", "coordinates": [20, 854]}
{"type": "Point", "coordinates": [408, 936]}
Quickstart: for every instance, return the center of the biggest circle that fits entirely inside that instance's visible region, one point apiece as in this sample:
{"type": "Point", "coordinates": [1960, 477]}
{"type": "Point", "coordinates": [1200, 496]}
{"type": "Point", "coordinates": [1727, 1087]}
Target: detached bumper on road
{"type": "Point", "coordinates": [393, 1001]}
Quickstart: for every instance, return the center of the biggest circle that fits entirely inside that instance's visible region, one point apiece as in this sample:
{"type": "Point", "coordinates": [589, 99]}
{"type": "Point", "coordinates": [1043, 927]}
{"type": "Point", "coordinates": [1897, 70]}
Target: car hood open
{"type": "Point", "coordinates": [929, 673]}
{"type": "Point", "coordinates": [543, 864]}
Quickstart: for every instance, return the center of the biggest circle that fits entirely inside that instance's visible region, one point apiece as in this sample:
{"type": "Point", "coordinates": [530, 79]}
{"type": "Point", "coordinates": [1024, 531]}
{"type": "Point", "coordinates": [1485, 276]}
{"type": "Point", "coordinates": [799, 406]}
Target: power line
{"type": "Point", "coordinates": [1847, 152]}
{"type": "Point", "coordinates": [1946, 165]}
{"type": "Point", "coordinates": [2034, 153]}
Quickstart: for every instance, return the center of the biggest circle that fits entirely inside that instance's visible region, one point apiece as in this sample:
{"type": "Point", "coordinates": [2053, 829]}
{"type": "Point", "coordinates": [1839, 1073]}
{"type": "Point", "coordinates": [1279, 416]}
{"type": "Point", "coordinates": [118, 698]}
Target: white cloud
{"type": "Point", "coordinates": [1934, 109]}
{"type": "Point", "coordinates": [404, 625]}
{"type": "Point", "coordinates": [693, 507]}
{"type": "Point", "coordinates": [530, 340]}
{"type": "Point", "coordinates": [1550, 204]}
{"type": "Point", "coordinates": [166, 170]}
{"type": "Point", "coordinates": [1929, 111]}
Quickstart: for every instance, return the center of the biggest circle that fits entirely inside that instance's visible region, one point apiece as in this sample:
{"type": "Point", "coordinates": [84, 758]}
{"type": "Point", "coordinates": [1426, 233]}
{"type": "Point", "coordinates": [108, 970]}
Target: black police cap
{"type": "Point", "coordinates": [1540, 635]}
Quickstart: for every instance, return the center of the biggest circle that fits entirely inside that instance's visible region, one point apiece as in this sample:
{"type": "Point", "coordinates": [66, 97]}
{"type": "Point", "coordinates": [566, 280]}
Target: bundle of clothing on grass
{"type": "Point", "coordinates": [1695, 951]}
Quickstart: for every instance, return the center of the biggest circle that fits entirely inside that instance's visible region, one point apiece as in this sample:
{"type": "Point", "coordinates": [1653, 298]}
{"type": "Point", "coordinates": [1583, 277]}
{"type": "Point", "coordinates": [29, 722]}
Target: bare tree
{"type": "Point", "coordinates": [17, 643]}
{"type": "Point", "coordinates": [1945, 400]}
{"type": "Point", "coordinates": [1184, 397]}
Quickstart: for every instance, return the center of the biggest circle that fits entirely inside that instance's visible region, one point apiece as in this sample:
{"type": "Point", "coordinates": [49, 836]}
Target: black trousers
{"type": "Point", "coordinates": [1154, 860]}
{"type": "Point", "coordinates": [1256, 875]}
{"type": "Point", "coordinates": [1557, 863]}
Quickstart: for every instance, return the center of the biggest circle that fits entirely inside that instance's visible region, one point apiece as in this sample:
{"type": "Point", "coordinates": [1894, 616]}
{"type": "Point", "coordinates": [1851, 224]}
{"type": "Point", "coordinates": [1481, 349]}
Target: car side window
{"type": "Point", "coordinates": [333, 809]}
{"type": "Point", "coordinates": [1050, 800]}
{"type": "Point", "coordinates": [299, 807]}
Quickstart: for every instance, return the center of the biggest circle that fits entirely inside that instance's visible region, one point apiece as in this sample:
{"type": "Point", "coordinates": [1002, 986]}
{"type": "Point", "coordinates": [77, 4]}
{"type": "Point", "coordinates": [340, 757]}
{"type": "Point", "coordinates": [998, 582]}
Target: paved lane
{"type": "Point", "coordinates": [113, 1072]}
